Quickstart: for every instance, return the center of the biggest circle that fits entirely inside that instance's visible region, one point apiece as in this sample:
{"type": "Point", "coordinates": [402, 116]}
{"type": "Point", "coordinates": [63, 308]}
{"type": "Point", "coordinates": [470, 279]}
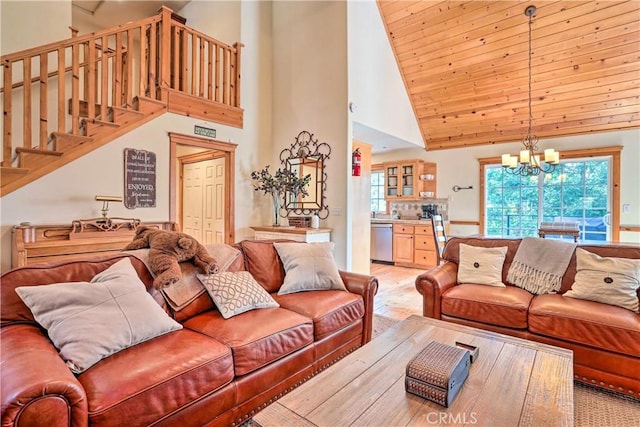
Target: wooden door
{"type": "Point", "coordinates": [214, 201]}
{"type": "Point", "coordinates": [192, 184]}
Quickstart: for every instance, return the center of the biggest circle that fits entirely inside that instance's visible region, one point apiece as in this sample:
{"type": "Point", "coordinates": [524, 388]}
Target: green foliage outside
{"type": "Point", "coordinates": [575, 191]}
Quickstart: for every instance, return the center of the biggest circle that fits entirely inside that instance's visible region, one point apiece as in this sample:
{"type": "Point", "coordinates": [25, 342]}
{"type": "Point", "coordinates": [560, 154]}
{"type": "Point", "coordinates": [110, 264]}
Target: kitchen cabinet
{"type": "Point", "coordinates": [413, 246]}
{"type": "Point", "coordinates": [409, 180]}
{"type": "Point", "coordinates": [403, 244]}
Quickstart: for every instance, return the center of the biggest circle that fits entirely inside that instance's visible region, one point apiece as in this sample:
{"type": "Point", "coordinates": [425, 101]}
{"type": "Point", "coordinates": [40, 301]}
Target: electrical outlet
{"type": "Point", "coordinates": [336, 211]}
{"type": "Point", "coordinates": [626, 208]}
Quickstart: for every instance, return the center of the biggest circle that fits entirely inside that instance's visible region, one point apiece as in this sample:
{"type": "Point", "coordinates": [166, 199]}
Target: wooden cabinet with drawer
{"type": "Point", "coordinates": [413, 246]}
{"type": "Point", "coordinates": [425, 250]}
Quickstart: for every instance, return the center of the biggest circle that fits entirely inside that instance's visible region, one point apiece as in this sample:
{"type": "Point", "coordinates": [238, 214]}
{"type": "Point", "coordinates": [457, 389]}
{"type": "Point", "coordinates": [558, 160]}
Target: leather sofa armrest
{"type": "Point", "coordinates": [367, 287]}
{"type": "Point", "coordinates": [432, 284]}
{"type": "Point", "coordinates": [37, 387]}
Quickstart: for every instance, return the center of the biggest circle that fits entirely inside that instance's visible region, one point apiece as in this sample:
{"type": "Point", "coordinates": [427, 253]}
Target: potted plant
{"type": "Point", "coordinates": [277, 185]}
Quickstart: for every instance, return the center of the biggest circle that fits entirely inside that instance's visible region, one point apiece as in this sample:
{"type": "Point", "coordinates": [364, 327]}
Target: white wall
{"type": "Point", "coordinates": [43, 21]}
{"type": "Point", "coordinates": [460, 167]}
{"type": "Point", "coordinates": [375, 84]}
{"type": "Point", "coordinates": [310, 93]}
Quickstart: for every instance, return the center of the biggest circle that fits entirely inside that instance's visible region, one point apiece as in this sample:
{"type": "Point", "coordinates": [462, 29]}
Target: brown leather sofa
{"type": "Point", "coordinates": [211, 372]}
{"type": "Point", "coordinates": [605, 339]}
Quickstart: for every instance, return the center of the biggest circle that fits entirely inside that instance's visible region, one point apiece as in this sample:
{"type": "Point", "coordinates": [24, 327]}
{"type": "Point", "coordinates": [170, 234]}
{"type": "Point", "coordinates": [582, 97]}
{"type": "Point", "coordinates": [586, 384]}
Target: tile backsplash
{"type": "Point", "coordinates": [413, 209]}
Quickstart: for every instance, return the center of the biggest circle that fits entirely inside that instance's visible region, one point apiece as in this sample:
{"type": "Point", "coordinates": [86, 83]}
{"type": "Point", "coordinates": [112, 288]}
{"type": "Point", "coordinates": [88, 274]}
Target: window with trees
{"type": "Point", "coordinates": [582, 189]}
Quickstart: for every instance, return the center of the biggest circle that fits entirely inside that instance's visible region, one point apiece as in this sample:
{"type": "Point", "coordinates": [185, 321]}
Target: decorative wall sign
{"type": "Point", "coordinates": [139, 178]}
{"type": "Point", "coordinates": [203, 131]}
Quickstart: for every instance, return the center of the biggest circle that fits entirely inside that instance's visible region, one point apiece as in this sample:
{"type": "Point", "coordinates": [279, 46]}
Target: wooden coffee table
{"type": "Point", "coordinates": [513, 382]}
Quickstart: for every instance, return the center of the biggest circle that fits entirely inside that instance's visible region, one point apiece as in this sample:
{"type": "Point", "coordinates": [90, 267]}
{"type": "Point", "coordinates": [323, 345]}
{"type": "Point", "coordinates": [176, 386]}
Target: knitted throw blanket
{"type": "Point", "coordinates": [539, 264]}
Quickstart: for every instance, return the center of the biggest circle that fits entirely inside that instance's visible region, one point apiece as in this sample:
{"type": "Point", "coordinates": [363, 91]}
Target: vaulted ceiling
{"type": "Point", "coordinates": [464, 64]}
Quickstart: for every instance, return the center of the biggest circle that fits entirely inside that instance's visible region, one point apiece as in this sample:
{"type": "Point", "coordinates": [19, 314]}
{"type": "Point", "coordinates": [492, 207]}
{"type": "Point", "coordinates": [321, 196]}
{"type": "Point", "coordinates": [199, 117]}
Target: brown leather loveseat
{"type": "Point", "coordinates": [213, 371]}
{"type": "Point", "coordinates": [605, 339]}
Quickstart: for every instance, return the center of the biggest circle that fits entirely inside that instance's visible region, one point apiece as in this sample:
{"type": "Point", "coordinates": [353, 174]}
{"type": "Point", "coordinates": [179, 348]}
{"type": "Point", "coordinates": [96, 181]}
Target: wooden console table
{"type": "Point", "coordinates": [33, 244]}
{"type": "Point", "coordinates": [299, 234]}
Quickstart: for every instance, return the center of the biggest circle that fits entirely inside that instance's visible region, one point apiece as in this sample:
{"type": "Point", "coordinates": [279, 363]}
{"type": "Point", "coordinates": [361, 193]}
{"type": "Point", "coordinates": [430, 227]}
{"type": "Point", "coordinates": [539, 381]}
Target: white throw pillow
{"type": "Point", "coordinates": [308, 267]}
{"type": "Point", "coordinates": [88, 321]}
{"type": "Point", "coordinates": [481, 266]}
{"type": "Point", "coordinates": [236, 292]}
{"type": "Point", "coordinates": [608, 280]}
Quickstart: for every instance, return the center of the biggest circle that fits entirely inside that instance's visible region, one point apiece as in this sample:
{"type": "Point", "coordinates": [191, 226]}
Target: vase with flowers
{"type": "Point", "coordinates": [280, 183]}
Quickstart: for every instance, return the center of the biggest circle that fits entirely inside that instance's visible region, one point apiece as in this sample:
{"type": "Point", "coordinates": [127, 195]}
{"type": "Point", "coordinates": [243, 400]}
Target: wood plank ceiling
{"type": "Point", "coordinates": [464, 64]}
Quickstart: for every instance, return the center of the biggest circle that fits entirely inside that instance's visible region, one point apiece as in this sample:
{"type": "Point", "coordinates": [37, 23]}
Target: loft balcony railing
{"type": "Point", "coordinates": [53, 88]}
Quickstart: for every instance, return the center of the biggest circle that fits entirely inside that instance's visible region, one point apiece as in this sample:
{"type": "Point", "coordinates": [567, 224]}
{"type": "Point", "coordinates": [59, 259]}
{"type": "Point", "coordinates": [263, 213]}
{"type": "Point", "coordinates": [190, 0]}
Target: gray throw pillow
{"type": "Point", "coordinates": [88, 321]}
{"type": "Point", "coordinates": [308, 267]}
{"type": "Point", "coordinates": [608, 280]}
{"type": "Point", "coordinates": [481, 266]}
{"type": "Point", "coordinates": [236, 292]}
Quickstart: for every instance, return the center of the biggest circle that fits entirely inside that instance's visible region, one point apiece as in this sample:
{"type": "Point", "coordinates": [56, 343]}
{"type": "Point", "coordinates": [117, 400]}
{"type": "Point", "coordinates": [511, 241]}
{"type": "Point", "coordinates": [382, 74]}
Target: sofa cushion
{"type": "Point", "coordinates": [235, 292]}
{"type": "Point", "coordinates": [330, 310]}
{"type": "Point", "coordinates": [256, 337]}
{"type": "Point", "coordinates": [263, 262]}
{"type": "Point", "coordinates": [586, 322]}
{"type": "Point", "coordinates": [308, 267]}
{"type": "Point", "coordinates": [487, 304]}
{"type": "Point", "coordinates": [609, 280]}
{"type": "Point", "coordinates": [481, 266]}
{"type": "Point", "coordinates": [143, 384]}
{"type": "Point", "coordinates": [88, 321]}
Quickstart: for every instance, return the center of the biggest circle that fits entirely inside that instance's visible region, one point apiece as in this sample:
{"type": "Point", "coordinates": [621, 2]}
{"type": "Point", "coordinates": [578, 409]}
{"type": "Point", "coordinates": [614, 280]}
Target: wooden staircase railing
{"type": "Point", "coordinates": [86, 90]}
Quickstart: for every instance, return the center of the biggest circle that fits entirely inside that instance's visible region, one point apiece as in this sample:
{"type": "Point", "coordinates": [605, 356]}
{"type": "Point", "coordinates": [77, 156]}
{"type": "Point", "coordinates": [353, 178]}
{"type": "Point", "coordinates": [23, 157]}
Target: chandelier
{"type": "Point", "coordinates": [529, 163]}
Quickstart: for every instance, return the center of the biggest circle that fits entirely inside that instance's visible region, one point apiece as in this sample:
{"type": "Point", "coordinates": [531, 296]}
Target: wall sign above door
{"type": "Point", "coordinates": [203, 131]}
{"type": "Point", "coordinates": [139, 178]}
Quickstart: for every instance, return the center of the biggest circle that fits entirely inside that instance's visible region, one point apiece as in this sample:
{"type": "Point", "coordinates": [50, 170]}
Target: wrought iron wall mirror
{"type": "Point", "coordinates": [307, 157]}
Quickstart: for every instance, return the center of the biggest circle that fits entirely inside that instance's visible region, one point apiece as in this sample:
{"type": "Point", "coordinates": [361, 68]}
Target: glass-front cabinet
{"type": "Point", "coordinates": [402, 180]}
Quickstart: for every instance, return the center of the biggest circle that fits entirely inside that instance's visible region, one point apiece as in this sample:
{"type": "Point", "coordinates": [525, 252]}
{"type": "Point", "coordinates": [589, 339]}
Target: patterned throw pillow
{"type": "Point", "coordinates": [236, 292]}
{"type": "Point", "coordinates": [608, 280]}
{"type": "Point", "coordinates": [481, 266]}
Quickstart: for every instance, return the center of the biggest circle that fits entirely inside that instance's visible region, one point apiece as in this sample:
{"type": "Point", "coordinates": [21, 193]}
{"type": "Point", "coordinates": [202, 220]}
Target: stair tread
{"type": "Point", "coordinates": [5, 169]}
{"type": "Point", "coordinates": [69, 135]}
{"type": "Point", "coordinates": [127, 110]}
{"type": "Point", "coordinates": [37, 151]}
{"type": "Point", "coordinates": [100, 122]}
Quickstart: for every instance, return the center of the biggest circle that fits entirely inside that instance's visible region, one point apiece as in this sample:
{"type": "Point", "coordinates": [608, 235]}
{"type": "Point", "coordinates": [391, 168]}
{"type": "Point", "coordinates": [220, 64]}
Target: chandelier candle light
{"type": "Point", "coordinates": [529, 163]}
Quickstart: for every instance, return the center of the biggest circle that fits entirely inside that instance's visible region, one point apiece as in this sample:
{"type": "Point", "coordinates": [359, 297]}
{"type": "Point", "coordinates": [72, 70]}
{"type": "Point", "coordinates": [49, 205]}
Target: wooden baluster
{"type": "Point", "coordinates": [91, 83]}
{"type": "Point", "coordinates": [165, 55]}
{"type": "Point", "coordinates": [153, 68]}
{"type": "Point", "coordinates": [7, 149]}
{"type": "Point", "coordinates": [142, 90]}
{"type": "Point", "coordinates": [117, 88]}
{"type": "Point", "coordinates": [85, 68]}
{"type": "Point", "coordinates": [183, 58]}
{"type": "Point", "coordinates": [232, 76]}
{"type": "Point", "coordinates": [61, 89]}
{"type": "Point", "coordinates": [44, 71]}
{"type": "Point", "coordinates": [176, 58]}
{"type": "Point", "coordinates": [225, 75]}
{"type": "Point", "coordinates": [104, 79]}
{"type": "Point", "coordinates": [75, 89]}
{"type": "Point", "coordinates": [130, 50]}
{"type": "Point", "coordinates": [201, 79]}
{"type": "Point", "coordinates": [194, 59]}
{"type": "Point", "coordinates": [218, 73]}
{"type": "Point", "coordinates": [26, 123]}
{"type": "Point", "coordinates": [238, 47]}
{"type": "Point", "coordinates": [210, 75]}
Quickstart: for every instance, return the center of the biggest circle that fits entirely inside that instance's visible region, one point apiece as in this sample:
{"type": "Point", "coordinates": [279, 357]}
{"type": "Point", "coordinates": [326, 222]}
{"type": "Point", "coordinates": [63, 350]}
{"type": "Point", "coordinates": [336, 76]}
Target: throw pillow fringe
{"type": "Point", "coordinates": [533, 280]}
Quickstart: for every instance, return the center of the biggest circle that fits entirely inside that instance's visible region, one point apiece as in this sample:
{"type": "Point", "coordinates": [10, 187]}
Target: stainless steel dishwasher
{"type": "Point", "coordinates": [382, 242]}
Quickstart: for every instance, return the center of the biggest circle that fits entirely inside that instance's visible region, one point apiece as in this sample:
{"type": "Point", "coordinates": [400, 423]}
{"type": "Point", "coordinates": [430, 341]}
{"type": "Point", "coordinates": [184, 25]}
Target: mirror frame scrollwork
{"type": "Point", "coordinates": [307, 147]}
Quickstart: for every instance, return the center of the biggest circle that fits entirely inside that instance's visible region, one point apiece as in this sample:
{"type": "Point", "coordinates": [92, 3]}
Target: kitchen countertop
{"type": "Point", "coordinates": [400, 221]}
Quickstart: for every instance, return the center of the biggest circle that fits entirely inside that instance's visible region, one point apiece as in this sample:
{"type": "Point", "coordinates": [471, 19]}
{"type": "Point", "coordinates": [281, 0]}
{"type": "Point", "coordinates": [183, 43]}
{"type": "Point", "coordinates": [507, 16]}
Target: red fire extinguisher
{"type": "Point", "coordinates": [356, 159]}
